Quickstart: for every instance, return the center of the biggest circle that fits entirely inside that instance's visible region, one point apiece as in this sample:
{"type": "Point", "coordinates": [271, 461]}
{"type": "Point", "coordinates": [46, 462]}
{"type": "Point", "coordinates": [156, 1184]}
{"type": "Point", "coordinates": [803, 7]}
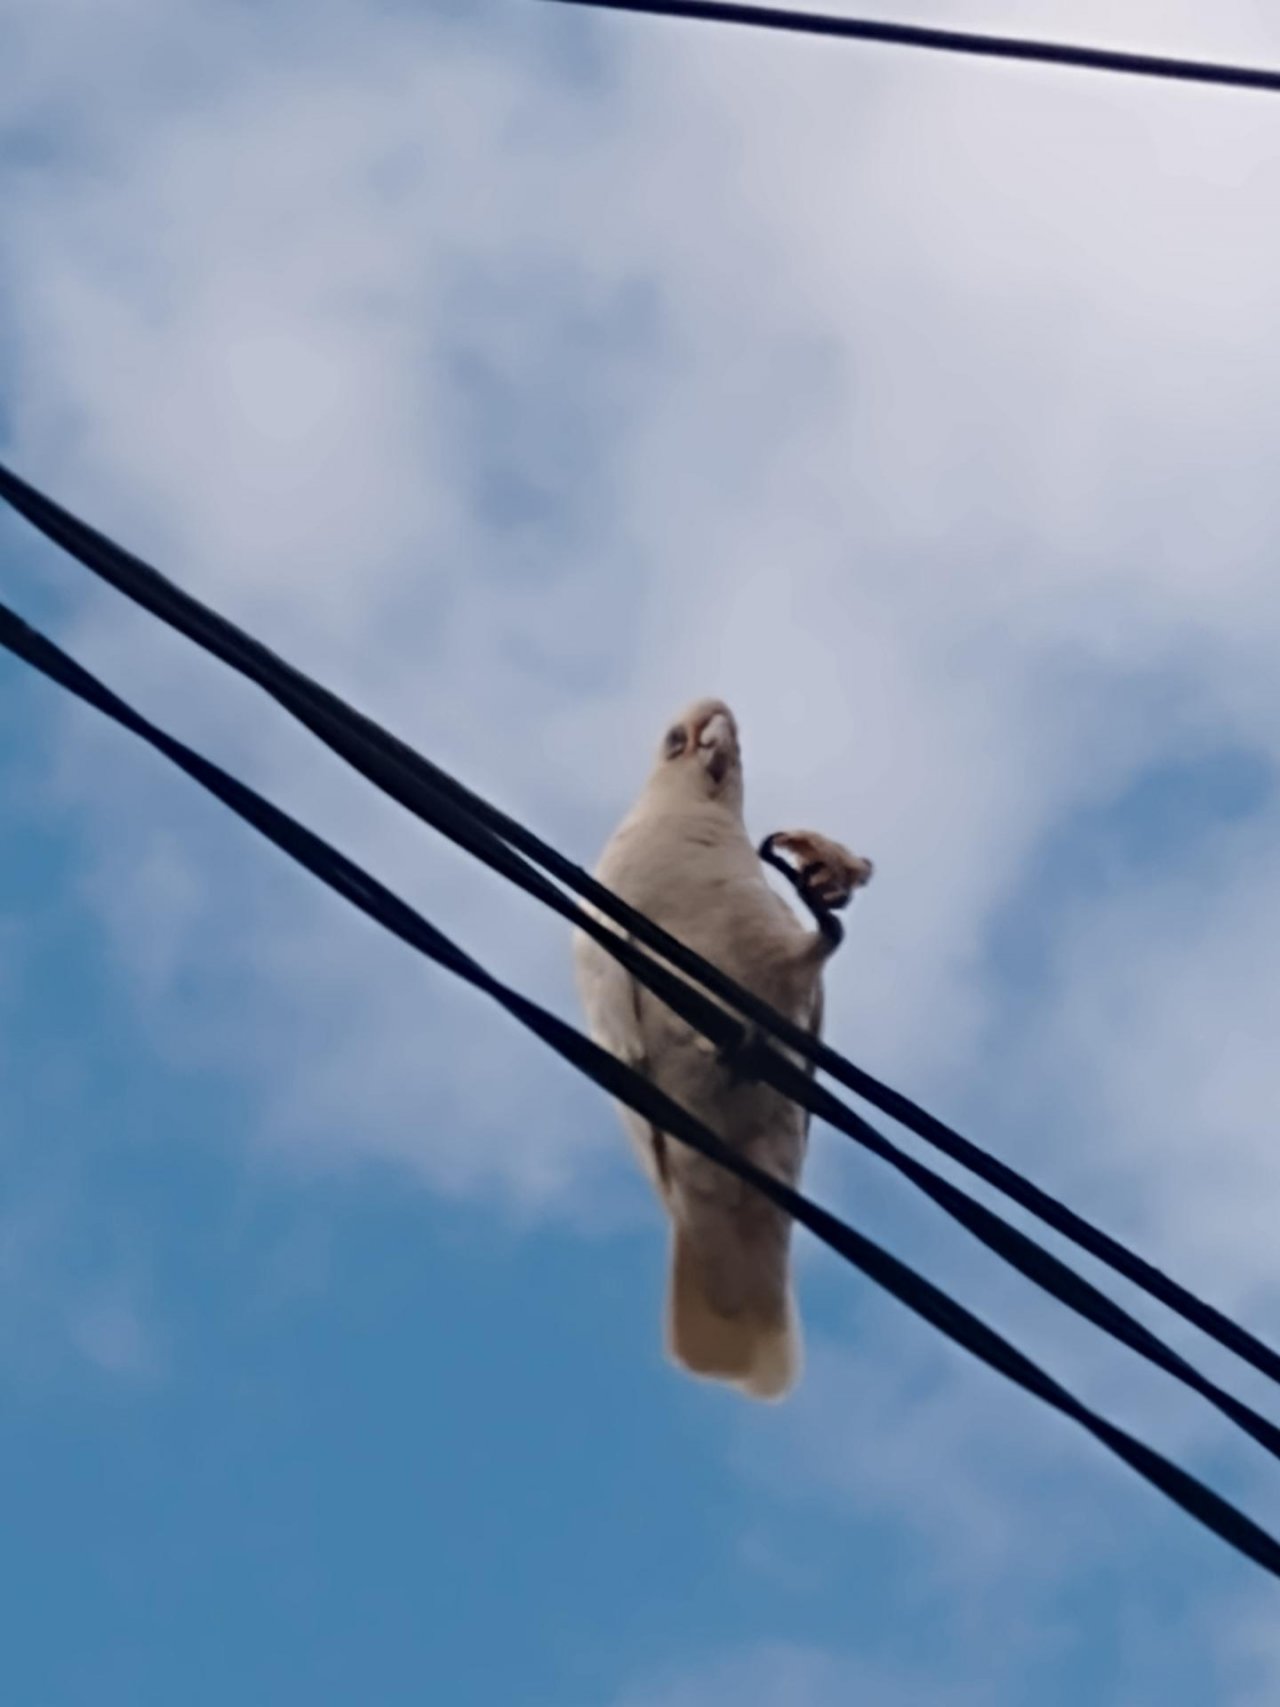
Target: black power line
{"type": "Point", "coordinates": [979, 46]}
{"type": "Point", "coordinates": [919, 1295]}
{"type": "Point", "coordinates": [494, 838]}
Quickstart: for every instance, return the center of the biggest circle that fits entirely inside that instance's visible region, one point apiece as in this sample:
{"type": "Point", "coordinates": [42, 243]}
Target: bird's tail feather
{"type": "Point", "coordinates": [756, 1348]}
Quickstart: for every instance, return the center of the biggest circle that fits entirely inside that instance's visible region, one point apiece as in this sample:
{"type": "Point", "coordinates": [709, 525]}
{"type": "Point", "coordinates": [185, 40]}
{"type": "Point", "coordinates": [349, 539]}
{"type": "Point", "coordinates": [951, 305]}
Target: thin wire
{"type": "Point", "coordinates": [911, 1289]}
{"type": "Point", "coordinates": [1151, 65]}
{"type": "Point", "coordinates": [435, 797]}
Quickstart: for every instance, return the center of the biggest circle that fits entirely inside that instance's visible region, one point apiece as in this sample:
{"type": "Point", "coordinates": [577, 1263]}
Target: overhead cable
{"type": "Point", "coordinates": [911, 1289]}
{"type": "Point", "coordinates": [500, 841]}
{"type": "Point", "coordinates": [974, 45]}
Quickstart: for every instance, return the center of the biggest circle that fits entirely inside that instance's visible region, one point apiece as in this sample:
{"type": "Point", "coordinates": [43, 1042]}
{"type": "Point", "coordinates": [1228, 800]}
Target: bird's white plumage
{"type": "Point", "coordinates": [683, 857]}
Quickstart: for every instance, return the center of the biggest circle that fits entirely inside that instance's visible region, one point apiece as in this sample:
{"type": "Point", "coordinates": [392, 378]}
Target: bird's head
{"type": "Point", "coordinates": [699, 758]}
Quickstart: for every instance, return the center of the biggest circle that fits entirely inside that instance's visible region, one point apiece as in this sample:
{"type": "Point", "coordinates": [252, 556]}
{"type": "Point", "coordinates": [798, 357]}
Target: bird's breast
{"type": "Point", "coordinates": [697, 875]}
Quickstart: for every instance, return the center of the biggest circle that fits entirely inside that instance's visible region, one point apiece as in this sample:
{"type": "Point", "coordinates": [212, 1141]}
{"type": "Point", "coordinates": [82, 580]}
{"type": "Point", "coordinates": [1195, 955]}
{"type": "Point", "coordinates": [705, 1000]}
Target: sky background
{"type": "Point", "coordinates": [524, 375]}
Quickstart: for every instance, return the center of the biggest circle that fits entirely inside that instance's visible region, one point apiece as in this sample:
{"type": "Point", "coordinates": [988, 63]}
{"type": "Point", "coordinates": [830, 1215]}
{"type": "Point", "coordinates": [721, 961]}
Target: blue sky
{"type": "Point", "coordinates": [525, 375]}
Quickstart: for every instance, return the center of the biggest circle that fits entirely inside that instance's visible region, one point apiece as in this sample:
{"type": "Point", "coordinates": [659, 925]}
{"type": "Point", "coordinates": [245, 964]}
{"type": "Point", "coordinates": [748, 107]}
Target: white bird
{"type": "Point", "coordinates": [683, 857]}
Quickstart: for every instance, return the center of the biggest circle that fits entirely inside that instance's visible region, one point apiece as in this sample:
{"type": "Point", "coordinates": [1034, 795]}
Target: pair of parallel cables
{"type": "Point", "coordinates": [527, 861]}
{"type": "Point", "coordinates": [515, 852]}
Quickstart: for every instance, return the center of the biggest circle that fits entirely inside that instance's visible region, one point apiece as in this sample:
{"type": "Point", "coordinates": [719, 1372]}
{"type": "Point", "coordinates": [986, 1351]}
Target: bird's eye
{"type": "Point", "coordinates": [675, 743]}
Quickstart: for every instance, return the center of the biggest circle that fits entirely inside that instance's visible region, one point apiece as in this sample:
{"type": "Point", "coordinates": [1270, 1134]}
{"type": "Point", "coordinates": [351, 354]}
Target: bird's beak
{"type": "Point", "coordinates": [715, 742]}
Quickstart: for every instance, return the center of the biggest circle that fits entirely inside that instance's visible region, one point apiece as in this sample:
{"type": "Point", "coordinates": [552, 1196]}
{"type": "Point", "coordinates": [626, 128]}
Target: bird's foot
{"type": "Point", "coordinates": [825, 874]}
{"type": "Point", "coordinates": [739, 1056]}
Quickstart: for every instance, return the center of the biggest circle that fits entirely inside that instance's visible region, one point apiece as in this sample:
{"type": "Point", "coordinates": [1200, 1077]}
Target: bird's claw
{"type": "Point", "coordinates": [740, 1055]}
{"type": "Point", "coordinates": [826, 874]}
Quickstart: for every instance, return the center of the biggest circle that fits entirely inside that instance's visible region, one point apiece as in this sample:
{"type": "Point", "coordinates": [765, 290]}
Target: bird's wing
{"type": "Point", "coordinates": [611, 999]}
